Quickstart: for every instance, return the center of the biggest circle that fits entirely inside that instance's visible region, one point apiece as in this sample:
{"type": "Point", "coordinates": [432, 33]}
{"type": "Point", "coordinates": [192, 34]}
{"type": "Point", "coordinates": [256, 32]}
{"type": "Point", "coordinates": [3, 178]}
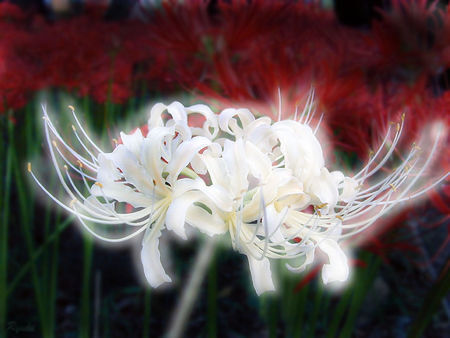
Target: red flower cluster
{"type": "Point", "coordinates": [243, 51]}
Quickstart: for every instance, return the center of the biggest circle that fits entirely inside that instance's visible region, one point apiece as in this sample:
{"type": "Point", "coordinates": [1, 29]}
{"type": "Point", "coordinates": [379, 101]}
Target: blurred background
{"type": "Point", "coordinates": [368, 62]}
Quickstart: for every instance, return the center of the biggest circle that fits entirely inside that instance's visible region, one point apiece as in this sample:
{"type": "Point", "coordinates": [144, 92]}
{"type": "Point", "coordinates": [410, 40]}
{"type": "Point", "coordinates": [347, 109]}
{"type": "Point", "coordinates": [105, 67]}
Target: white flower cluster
{"type": "Point", "coordinates": [264, 183]}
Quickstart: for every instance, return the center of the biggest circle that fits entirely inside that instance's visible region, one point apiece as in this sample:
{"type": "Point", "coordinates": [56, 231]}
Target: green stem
{"type": "Point", "coordinates": [190, 292]}
{"type": "Point", "coordinates": [85, 289]}
{"type": "Point", "coordinates": [4, 233]}
{"type": "Point", "coordinates": [212, 300]}
{"type": "Point", "coordinates": [366, 278]}
{"type": "Point", "coordinates": [302, 301]}
{"type": "Point", "coordinates": [146, 328]}
{"type": "Point", "coordinates": [26, 202]}
{"type": "Point", "coordinates": [273, 317]}
{"type": "Point", "coordinates": [339, 313]}
{"type": "Point", "coordinates": [316, 311]}
{"type": "Point", "coordinates": [36, 254]}
{"type": "Point", "coordinates": [434, 298]}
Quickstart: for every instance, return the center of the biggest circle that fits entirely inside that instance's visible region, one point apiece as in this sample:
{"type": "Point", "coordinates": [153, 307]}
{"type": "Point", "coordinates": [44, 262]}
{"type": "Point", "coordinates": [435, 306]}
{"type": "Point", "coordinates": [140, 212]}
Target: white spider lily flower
{"type": "Point", "coordinates": [142, 173]}
{"type": "Point", "coordinates": [230, 170]}
{"type": "Point", "coordinates": [341, 206]}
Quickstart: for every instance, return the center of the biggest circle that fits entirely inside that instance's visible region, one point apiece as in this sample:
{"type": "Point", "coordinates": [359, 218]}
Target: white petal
{"type": "Point", "coordinates": [325, 189]}
{"type": "Point", "coordinates": [211, 121]}
{"type": "Point", "coordinates": [350, 188]}
{"type": "Point", "coordinates": [183, 155]}
{"type": "Point", "coordinates": [133, 142]}
{"type": "Point", "coordinates": [261, 275]}
{"type": "Point", "coordinates": [219, 196]}
{"type": "Point", "coordinates": [121, 193]}
{"type": "Point", "coordinates": [291, 194]}
{"type": "Point", "coordinates": [155, 119]}
{"type": "Point", "coordinates": [198, 166]}
{"type": "Point", "coordinates": [215, 193]}
{"type": "Point", "coordinates": [274, 221]}
{"type": "Point", "coordinates": [176, 213]}
{"type": "Point", "coordinates": [205, 222]}
{"type": "Point", "coordinates": [237, 167]}
{"type": "Point", "coordinates": [229, 124]}
{"type": "Point", "coordinates": [151, 153]}
{"type": "Point", "coordinates": [132, 170]}
{"type": "Point", "coordinates": [151, 260]}
{"type": "Point", "coordinates": [300, 147]}
{"type": "Point", "coordinates": [107, 171]}
{"type": "Point", "coordinates": [178, 112]}
{"type": "Point", "coordinates": [337, 269]}
{"type": "Point", "coordinates": [259, 164]}
{"type": "Point", "coordinates": [216, 167]}
{"type": "Point", "coordinates": [338, 176]}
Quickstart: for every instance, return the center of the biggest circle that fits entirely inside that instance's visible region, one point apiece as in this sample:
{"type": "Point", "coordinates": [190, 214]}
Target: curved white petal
{"type": "Point", "coordinates": [210, 224]}
{"type": "Point", "coordinates": [184, 154]}
{"type": "Point", "coordinates": [237, 166]}
{"type": "Point", "coordinates": [155, 119]}
{"type": "Point", "coordinates": [178, 112]}
{"type": "Point", "coordinates": [337, 269]}
{"type": "Point", "coordinates": [274, 223]}
{"type": "Point", "coordinates": [151, 153]}
{"type": "Point", "coordinates": [151, 259]}
{"type": "Point", "coordinates": [261, 274]}
{"type": "Point", "coordinates": [259, 164]}
{"type": "Point", "coordinates": [215, 193]}
{"type": "Point", "coordinates": [121, 193]}
{"type": "Point", "coordinates": [211, 121]}
{"type": "Point", "coordinates": [230, 125]}
{"type": "Point", "coordinates": [107, 171]}
{"type": "Point", "coordinates": [216, 167]}
{"type": "Point", "coordinates": [133, 141]}
{"type": "Point", "coordinates": [350, 189]}
{"type": "Point", "coordinates": [325, 189]}
{"type": "Point", "coordinates": [132, 170]}
{"type": "Point", "coordinates": [176, 213]}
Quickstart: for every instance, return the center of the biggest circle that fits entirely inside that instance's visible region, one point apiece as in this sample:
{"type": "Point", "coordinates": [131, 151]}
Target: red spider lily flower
{"type": "Point", "coordinates": [411, 38]}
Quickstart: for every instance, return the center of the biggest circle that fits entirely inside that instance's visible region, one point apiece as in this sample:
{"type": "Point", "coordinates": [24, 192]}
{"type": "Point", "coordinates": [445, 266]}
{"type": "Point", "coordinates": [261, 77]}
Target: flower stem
{"type": "Point", "coordinates": [184, 308]}
{"type": "Point", "coordinates": [212, 300]}
{"type": "Point", "coordinates": [4, 234]}
{"type": "Point", "coordinates": [85, 289]}
{"type": "Point", "coordinates": [147, 304]}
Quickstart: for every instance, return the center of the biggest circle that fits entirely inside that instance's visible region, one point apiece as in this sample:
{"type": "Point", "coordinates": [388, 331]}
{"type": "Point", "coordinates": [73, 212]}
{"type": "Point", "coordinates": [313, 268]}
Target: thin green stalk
{"type": "Point", "coordinates": [105, 314]}
{"type": "Point", "coordinates": [190, 292]}
{"type": "Point", "coordinates": [146, 324]}
{"type": "Point", "coordinates": [37, 253]}
{"type": "Point", "coordinates": [302, 301]}
{"type": "Point", "coordinates": [366, 280]}
{"type": "Point", "coordinates": [292, 306]}
{"type": "Point", "coordinates": [211, 322]}
{"type": "Point", "coordinates": [339, 313]}
{"type": "Point", "coordinates": [53, 282]}
{"type": "Point", "coordinates": [438, 292]}
{"type": "Point", "coordinates": [85, 288]}
{"type": "Point", "coordinates": [315, 311]}
{"type": "Point", "coordinates": [4, 233]}
{"type": "Point", "coordinates": [46, 265]}
{"type": "Point", "coordinates": [26, 203]}
{"type": "Point", "coordinates": [97, 303]}
{"type": "Point", "coordinates": [273, 317]}
{"type": "Point", "coordinates": [53, 261]}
